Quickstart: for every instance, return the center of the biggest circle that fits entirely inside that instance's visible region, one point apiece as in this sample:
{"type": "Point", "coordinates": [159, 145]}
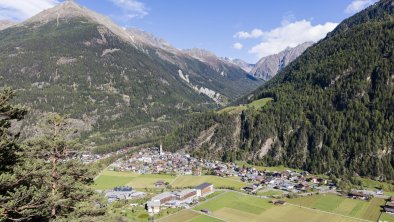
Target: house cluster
{"type": "Point", "coordinates": [389, 207]}
{"type": "Point", "coordinates": [88, 157]}
{"type": "Point", "coordinates": [181, 198]}
{"type": "Point", "coordinates": [123, 193]}
{"type": "Point", "coordinates": [287, 180]}
{"type": "Point", "coordinates": [154, 161]}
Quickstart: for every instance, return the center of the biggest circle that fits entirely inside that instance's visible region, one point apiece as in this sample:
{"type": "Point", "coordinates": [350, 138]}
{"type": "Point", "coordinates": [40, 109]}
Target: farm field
{"type": "Point", "coordinates": [386, 218]}
{"type": "Point", "coordinates": [368, 210]}
{"type": "Point", "coordinates": [110, 179]}
{"type": "Point", "coordinates": [184, 215]}
{"type": "Point", "coordinates": [233, 206]}
{"type": "Point", "coordinates": [269, 192]}
{"type": "Point", "coordinates": [190, 216]}
{"type": "Point", "coordinates": [185, 181]}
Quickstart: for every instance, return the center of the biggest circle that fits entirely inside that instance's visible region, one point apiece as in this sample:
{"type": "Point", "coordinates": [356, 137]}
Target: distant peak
{"type": "Point", "coordinates": [70, 9]}
{"type": "Point", "coordinates": [6, 24]}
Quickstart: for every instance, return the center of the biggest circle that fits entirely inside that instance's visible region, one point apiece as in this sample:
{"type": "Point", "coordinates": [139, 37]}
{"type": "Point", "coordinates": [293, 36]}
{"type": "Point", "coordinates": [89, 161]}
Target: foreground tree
{"type": "Point", "coordinates": [67, 178]}
{"type": "Point", "coordinates": [43, 180]}
{"type": "Point", "coordinates": [20, 194]}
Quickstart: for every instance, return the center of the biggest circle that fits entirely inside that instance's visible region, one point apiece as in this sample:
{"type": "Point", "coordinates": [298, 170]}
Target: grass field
{"type": "Point", "coordinates": [110, 179]}
{"type": "Point", "coordinates": [184, 215]}
{"type": "Point", "coordinates": [236, 201]}
{"type": "Point", "coordinates": [340, 205]}
{"type": "Point", "coordinates": [233, 206]}
{"type": "Point", "coordinates": [205, 218]}
{"type": "Point", "coordinates": [269, 193]}
{"type": "Point", "coordinates": [190, 216]}
{"type": "Point", "coordinates": [148, 180]}
{"type": "Point", "coordinates": [257, 104]}
{"type": "Point", "coordinates": [386, 218]}
{"type": "Point", "coordinates": [185, 181]}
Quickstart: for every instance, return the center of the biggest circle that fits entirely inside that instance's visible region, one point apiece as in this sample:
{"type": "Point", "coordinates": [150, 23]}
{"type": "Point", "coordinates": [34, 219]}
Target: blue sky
{"type": "Point", "coordinates": [246, 29]}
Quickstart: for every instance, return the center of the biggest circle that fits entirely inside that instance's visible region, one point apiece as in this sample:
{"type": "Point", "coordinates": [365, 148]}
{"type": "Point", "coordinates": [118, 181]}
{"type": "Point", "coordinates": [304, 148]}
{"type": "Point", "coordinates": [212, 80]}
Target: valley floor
{"type": "Point", "coordinates": [230, 205]}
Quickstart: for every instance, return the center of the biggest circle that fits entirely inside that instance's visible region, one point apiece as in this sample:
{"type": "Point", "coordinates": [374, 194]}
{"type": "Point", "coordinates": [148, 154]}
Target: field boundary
{"type": "Point", "coordinates": [341, 215]}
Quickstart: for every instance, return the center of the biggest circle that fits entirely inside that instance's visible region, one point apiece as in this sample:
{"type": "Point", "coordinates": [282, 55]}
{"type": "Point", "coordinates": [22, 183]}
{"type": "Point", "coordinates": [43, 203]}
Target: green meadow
{"type": "Point", "coordinates": [186, 181]}
{"type": "Point", "coordinates": [368, 210]}
{"type": "Point", "coordinates": [234, 206]}
{"type": "Point", "coordinates": [257, 104]}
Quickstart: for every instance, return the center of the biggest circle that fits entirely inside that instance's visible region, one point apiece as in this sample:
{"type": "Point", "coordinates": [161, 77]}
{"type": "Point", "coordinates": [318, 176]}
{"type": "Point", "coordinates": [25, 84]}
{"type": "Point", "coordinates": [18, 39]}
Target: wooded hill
{"type": "Point", "coordinates": [332, 108]}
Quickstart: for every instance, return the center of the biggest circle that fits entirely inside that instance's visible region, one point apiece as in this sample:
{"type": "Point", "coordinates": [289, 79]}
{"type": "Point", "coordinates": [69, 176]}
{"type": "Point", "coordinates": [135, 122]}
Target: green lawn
{"type": "Point", "coordinates": [369, 210]}
{"type": "Point", "coordinates": [187, 181]}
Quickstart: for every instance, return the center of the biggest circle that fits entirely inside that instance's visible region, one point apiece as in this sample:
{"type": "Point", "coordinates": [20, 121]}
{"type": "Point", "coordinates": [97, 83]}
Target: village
{"type": "Point", "coordinates": [154, 160]}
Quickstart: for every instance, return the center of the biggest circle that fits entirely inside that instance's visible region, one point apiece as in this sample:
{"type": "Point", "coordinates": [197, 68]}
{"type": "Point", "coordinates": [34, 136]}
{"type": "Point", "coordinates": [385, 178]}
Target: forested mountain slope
{"type": "Point", "coordinates": [332, 108]}
{"type": "Point", "coordinates": [74, 61]}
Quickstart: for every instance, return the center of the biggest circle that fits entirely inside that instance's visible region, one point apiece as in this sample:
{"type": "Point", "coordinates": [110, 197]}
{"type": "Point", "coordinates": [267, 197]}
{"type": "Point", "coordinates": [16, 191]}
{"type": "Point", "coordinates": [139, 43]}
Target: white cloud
{"type": "Point", "coordinates": [22, 9]}
{"type": "Point", "coordinates": [358, 5]}
{"type": "Point", "coordinates": [255, 33]}
{"type": "Point", "coordinates": [290, 35]}
{"type": "Point", "coordinates": [238, 46]}
{"type": "Point", "coordinates": [131, 8]}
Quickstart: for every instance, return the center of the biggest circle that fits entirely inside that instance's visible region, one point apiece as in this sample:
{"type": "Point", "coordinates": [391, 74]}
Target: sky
{"type": "Point", "coordinates": [245, 29]}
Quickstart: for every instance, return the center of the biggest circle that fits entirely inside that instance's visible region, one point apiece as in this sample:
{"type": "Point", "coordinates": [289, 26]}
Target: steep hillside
{"type": "Point", "coordinates": [71, 60]}
{"type": "Point", "coordinates": [332, 108]}
{"type": "Point", "coordinates": [269, 66]}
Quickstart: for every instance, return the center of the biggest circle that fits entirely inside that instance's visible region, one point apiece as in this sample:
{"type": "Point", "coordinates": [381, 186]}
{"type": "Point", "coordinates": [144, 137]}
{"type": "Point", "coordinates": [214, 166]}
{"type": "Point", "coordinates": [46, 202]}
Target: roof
{"type": "Point", "coordinates": [162, 196]}
{"type": "Point", "coordinates": [184, 192]}
{"type": "Point", "coordinates": [153, 204]}
{"type": "Point", "coordinates": [203, 186]}
{"type": "Point", "coordinates": [389, 209]}
{"type": "Point", "coordinates": [357, 193]}
{"type": "Point", "coordinates": [390, 204]}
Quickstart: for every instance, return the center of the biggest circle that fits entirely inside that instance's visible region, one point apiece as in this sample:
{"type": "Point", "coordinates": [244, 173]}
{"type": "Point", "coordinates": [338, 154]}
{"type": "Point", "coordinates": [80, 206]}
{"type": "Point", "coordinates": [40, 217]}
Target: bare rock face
{"type": "Point", "coordinates": [247, 67]}
{"type": "Point", "coordinates": [6, 24]}
{"type": "Point", "coordinates": [267, 67]}
{"type": "Point", "coordinates": [141, 37]}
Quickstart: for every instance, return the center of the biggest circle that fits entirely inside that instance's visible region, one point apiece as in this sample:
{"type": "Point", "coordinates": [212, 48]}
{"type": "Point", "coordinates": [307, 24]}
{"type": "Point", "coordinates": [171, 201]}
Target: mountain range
{"type": "Point", "coordinates": [116, 84]}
